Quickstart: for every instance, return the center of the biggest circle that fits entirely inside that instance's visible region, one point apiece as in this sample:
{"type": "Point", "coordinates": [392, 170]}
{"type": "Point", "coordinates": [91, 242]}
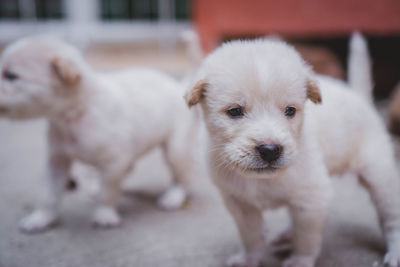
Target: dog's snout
{"type": "Point", "coordinates": [270, 152]}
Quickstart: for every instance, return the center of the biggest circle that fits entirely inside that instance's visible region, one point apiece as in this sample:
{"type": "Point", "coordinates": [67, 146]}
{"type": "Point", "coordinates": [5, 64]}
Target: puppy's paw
{"type": "Point", "coordinates": [106, 217]}
{"type": "Point", "coordinates": [392, 259]}
{"type": "Point", "coordinates": [241, 260]}
{"type": "Point", "coordinates": [173, 198]}
{"type": "Point", "coordinates": [38, 221]}
{"type": "Point", "coordinates": [299, 261]}
{"type": "Point", "coordinates": [284, 238]}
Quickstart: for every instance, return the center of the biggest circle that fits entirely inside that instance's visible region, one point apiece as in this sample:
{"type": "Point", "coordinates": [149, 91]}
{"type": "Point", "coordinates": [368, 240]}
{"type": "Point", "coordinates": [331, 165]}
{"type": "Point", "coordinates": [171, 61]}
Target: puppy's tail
{"type": "Point", "coordinates": [193, 46]}
{"type": "Point", "coordinates": [359, 68]}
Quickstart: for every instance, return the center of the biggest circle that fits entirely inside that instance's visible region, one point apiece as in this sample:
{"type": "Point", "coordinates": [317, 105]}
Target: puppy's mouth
{"type": "Point", "coordinates": [259, 168]}
{"type": "Point", "coordinates": [250, 164]}
{"type": "Point", "coordinates": [266, 169]}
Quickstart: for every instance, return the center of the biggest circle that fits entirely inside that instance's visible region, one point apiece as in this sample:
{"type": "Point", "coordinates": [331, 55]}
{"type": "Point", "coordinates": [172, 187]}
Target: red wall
{"type": "Point", "coordinates": [216, 19]}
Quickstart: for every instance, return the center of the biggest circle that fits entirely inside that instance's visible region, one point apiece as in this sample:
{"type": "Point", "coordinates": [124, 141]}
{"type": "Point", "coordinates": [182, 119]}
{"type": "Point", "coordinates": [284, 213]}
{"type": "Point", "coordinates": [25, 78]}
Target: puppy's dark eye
{"type": "Point", "coordinates": [290, 112]}
{"type": "Point", "coordinates": [235, 112]}
{"type": "Point", "coordinates": [10, 76]}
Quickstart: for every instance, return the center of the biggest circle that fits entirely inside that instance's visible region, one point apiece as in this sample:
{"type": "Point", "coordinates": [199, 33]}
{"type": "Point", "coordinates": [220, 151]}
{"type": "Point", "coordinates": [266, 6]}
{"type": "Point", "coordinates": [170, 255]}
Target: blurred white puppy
{"type": "Point", "coordinates": [271, 147]}
{"type": "Point", "coordinates": [107, 120]}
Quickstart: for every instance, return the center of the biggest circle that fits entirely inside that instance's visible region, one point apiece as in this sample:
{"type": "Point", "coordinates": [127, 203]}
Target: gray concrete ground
{"type": "Point", "coordinates": [202, 234]}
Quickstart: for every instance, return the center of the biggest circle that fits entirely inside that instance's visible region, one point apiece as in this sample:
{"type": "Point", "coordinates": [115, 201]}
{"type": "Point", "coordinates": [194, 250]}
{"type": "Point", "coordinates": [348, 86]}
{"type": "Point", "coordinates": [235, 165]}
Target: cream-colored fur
{"type": "Point", "coordinates": [107, 120]}
{"type": "Point", "coordinates": [343, 133]}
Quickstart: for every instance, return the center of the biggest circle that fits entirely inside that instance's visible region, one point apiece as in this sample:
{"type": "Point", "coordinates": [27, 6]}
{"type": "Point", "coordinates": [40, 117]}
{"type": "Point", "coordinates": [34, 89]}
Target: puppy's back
{"type": "Point", "coordinates": [342, 123]}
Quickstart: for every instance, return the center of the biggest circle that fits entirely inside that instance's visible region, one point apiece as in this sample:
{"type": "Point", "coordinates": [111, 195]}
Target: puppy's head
{"type": "Point", "coordinates": [37, 75]}
{"type": "Point", "coordinates": [253, 94]}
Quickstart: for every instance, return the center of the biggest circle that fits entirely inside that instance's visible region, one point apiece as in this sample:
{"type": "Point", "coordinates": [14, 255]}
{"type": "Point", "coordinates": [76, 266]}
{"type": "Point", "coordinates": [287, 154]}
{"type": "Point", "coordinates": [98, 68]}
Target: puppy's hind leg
{"type": "Point", "coordinates": [381, 179]}
{"type": "Point", "coordinates": [46, 212]}
{"type": "Point", "coordinates": [178, 153]}
{"type": "Point", "coordinates": [105, 214]}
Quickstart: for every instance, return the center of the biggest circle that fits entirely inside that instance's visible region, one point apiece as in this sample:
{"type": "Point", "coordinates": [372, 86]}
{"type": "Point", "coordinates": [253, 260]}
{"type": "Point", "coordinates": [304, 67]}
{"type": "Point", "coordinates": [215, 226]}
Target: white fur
{"type": "Point", "coordinates": [107, 120]}
{"type": "Point", "coordinates": [342, 134]}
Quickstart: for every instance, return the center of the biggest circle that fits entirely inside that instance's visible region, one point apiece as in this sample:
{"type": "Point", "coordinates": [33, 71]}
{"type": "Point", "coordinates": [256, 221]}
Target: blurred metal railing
{"type": "Point", "coordinates": [82, 22]}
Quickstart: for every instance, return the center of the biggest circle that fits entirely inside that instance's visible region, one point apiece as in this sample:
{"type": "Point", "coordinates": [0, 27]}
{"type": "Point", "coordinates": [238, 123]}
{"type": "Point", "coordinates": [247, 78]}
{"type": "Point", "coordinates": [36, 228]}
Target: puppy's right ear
{"type": "Point", "coordinates": [66, 71]}
{"type": "Point", "coordinates": [195, 94]}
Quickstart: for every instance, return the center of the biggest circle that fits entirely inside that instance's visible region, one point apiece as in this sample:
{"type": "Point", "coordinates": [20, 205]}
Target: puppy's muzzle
{"type": "Point", "coordinates": [270, 153]}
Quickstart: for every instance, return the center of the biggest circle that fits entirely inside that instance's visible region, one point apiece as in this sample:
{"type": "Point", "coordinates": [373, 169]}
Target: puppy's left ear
{"type": "Point", "coordinates": [66, 71]}
{"type": "Point", "coordinates": [313, 92]}
{"type": "Point", "coordinates": [195, 94]}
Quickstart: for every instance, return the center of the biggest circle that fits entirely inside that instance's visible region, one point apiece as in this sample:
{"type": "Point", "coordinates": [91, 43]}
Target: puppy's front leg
{"type": "Point", "coordinates": [250, 223]}
{"type": "Point", "coordinates": [308, 227]}
{"type": "Point", "coordinates": [46, 211]}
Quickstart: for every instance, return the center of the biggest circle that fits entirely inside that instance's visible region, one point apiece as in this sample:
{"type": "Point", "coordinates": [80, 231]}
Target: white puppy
{"type": "Point", "coordinates": [271, 147]}
{"type": "Point", "coordinates": [107, 120]}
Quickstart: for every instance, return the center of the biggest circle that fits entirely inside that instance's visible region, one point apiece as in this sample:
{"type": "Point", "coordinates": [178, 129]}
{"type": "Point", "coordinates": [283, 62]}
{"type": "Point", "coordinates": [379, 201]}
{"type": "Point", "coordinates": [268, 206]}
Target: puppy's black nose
{"type": "Point", "coordinates": [270, 152]}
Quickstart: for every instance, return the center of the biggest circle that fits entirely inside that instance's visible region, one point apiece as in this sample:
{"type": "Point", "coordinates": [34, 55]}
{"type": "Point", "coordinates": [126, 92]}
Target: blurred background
{"type": "Point", "coordinates": [117, 33]}
{"type": "Point", "coordinates": [113, 33]}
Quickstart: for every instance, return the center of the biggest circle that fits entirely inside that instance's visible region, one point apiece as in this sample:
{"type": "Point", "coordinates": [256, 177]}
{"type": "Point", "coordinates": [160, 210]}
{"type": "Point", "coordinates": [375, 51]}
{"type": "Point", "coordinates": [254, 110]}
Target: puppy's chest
{"type": "Point", "coordinates": [261, 193]}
